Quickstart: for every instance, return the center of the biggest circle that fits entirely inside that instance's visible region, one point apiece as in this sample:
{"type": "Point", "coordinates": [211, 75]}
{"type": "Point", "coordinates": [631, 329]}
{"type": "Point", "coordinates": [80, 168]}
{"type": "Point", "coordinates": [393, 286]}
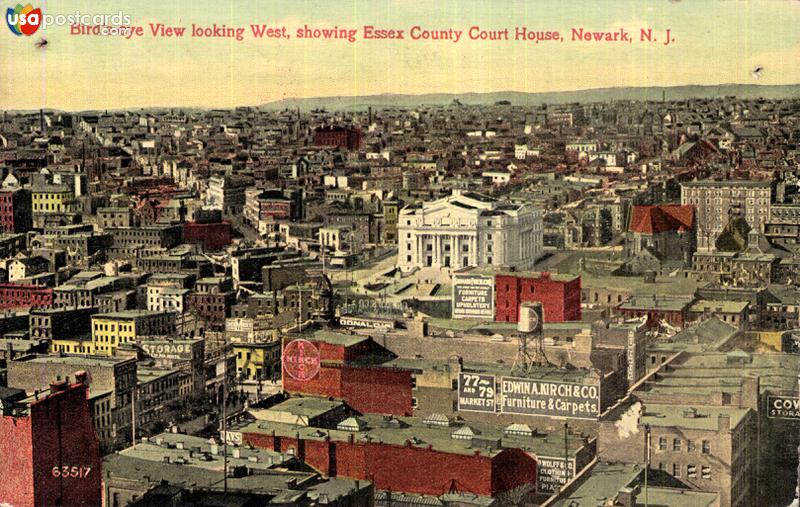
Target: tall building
{"type": "Point", "coordinates": [15, 210]}
{"type": "Point", "coordinates": [716, 202]}
{"type": "Point", "coordinates": [50, 448]}
{"type": "Point", "coordinates": [469, 229]}
{"type": "Point", "coordinates": [560, 295]}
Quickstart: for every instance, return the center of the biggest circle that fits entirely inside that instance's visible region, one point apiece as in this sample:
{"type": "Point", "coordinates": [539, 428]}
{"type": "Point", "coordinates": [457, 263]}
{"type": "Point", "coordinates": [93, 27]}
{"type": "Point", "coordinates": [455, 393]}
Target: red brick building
{"type": "Point", "coordinates": [213, 308]}
{"type": "Point", "coordinates": [560, 296]}
{"type": "Point", "coordinates": [212, 236]}
{"type": "Point", "coordinates": [339, 137]}
{"type": "Point", "coordinates": [408, 468]}
{"type": "Point", "coordinates": [24, 296]}
{"type": "Point", "coordinates": [50, 450]}
{"type": "Point", "coordinates": [352, 369]}
{"type": "Point", "coordinates": [16, 213]}
{"type": "Point", "coordinates": [659, 309]}
{"type": "Point", "coordinates": [403, 454]}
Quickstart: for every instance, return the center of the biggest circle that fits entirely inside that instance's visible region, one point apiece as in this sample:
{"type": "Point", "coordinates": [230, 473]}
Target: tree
{"type": "Point", "coordinates": [515, 497]}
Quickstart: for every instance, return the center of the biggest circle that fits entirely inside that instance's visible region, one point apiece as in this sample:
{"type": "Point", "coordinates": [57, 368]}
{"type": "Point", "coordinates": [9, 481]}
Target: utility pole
{"type": "Point", "coordinates": [299, 308]}
{"type": "Point", "coordinates": [225, 412]}
{"type": "Point", "coordinates": [133, 415]}
{"type": "Point", "coordinates": [646, 462]}
{"type": "Point", "coordinates": [566, 454]}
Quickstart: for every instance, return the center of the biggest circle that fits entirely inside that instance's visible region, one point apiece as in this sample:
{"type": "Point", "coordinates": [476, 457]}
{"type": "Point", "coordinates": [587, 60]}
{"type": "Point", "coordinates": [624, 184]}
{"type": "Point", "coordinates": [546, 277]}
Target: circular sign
{"type": "Point", "coordinates": [534, 316]}
{"type": "Point", "coordinates": [301, 360]}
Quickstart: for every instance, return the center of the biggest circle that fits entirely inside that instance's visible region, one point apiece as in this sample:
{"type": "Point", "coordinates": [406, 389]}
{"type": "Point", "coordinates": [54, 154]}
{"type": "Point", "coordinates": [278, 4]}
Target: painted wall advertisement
{"type": "Point", "coordinates": [473, 297]}
{"type": "Point", "coordinates": [476, 392]}
{"type": "Point", "coordinates": [301, 360]}
{"type": "Point", "coordinates": [551, 473]}
{"type": "Point", "coordinates": [783, 407]}
{"type": "Point", "coordinates": [541, 397]}
{"type": "Point", "coordinates": [479, 393]}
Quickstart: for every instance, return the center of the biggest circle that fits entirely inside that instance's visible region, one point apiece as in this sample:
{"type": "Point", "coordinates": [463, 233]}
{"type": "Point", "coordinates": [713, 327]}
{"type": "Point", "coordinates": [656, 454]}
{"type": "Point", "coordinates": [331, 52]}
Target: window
{"type": "Point", "coordinates": [676, 444]}
{"type": "Point", "coordinates": [413, 382]}
{"type": "Point", "coordinates": [691, 471]}
{"type": "Point", "coordinates": [465, 248]}
{"type": "Point", "coordinates": [488, 237]}
{"type": "Point", "coordinates": [706, 447]}
{"type": "Point", "coordinates": [706, 471]}
{"type": "Point", "coordinates": [662, 467]}
{"type": "Point", "coordinates": [488, 260]}
{"type": "Point", "coordinates": [429, 247]}
{"type": "Point", "coordinates": [690, 446]}
{"type": "Point", "coordinates": [662, 443]}
{"type": "Point", "coordinates": [676, 470]}
{"type": "Point", "coordinates": [414, 403]}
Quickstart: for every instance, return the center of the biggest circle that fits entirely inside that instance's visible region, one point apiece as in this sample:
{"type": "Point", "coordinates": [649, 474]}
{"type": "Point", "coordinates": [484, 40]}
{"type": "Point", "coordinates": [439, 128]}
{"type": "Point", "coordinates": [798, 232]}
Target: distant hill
{"type": "Point", "coordinates": [528, 99]}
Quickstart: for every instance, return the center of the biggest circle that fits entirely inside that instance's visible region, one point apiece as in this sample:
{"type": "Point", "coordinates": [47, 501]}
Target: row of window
{"type": "Point", "coordinates": [705, 445]}
{"type": "Point", "coordinates": [691, 470]}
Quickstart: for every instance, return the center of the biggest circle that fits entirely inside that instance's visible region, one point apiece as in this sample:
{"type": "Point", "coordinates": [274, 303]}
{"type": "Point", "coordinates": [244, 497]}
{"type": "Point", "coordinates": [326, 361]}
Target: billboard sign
{"type": "Point", "coordinates": [476, 392]}
{"type": "Point", "coordinates": [552, 474]}
{"type": "Point", "coordinates": [473, 297]}
{"type": "Point", "coordinates": [541, 397]}
{"type": "Point", "coordinates": [783, 407]}
{"type": "Point", "coordinates": [301, 360]}
{"type": "Point", "coordinates": [167, 349]}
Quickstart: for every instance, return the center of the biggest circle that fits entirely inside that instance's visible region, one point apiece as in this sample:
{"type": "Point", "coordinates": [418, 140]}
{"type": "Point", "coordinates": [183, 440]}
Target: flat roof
{"type": "Point", "coordinates": [77, 360]}
{"type": "Point", "coordinates": [127, 314]}
{"type": "Point", "coordinates": [719, 306]}
{"type": "Point", "coordinates": [705, 418]}
{"type": "Point", "coordinates": [604, 481]}
{"type": "Point", "coordinates": [152, 450]}
{"type": "Point", "coordinates": [657, 302]}
{"type": "Point", "coordinates": [309, 407]}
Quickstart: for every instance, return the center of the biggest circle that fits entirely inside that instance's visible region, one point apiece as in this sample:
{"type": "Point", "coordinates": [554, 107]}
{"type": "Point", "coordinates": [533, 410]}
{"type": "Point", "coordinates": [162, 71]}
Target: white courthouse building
{"type": "Point", "coordinates": [468, 229]}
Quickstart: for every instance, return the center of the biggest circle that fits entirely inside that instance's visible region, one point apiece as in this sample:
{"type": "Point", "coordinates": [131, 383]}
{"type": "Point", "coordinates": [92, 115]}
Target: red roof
{"type": "Point", "coordinates": [661, 218]}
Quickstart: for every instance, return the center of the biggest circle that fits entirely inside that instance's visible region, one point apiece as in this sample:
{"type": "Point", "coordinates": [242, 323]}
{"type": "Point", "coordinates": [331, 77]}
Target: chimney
{"type": "Point", "coordinates": [58, 386]}
{"type": "Point", "coordinates": [724, 422]}
{"type": "Point", "coordinates": [750, 391]}
{"type": "Point", "coordinates": [626, 497]}
{"type": "Point", "coordinates": [82, 377]}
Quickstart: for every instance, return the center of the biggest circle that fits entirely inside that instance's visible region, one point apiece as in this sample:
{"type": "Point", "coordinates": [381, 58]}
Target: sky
{"type": "Point", "coordinates": [715, 42]}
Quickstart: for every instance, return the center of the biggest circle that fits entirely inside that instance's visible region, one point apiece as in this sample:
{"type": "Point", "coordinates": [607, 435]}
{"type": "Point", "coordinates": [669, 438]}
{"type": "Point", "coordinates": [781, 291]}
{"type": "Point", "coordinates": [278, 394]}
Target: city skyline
{"type": "Point", "coordinates": [714, 43]}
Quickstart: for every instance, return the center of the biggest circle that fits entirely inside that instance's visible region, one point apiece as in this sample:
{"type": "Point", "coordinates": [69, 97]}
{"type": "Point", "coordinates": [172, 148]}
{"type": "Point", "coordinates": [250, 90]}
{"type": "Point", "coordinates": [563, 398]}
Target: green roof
{"type": "Point", "coordinates": [605, 480]}
{"type": "Point", "coordinates": [704, 305]}
{"type": "Point", "coordinates": [333, 338]}
{"type": "Point", "coordinates": [421, 435]}
{"type": "Point", "coordinates": [710, 334]}
{"type": "Point", "coordinates": [656, 301]}
{"type": "Point", "coordinates": [709, 371]}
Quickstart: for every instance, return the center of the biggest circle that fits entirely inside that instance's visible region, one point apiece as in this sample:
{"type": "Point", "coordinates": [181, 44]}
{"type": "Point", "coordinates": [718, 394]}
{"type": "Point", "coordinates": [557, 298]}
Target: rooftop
{"type": "Point", "coordinates": [702, 418]}
{"type": "Point", "coordinates": [417, 432]}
